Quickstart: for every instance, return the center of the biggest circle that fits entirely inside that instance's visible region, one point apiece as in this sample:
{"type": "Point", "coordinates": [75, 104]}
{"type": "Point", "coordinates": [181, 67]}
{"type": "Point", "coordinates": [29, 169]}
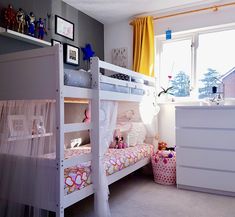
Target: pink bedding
{"type": "Point", "coordinates": [79, 176]}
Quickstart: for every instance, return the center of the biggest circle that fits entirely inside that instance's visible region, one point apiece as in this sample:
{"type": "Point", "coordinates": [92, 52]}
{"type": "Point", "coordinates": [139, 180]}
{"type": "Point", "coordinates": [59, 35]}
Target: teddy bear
{"type": "Point", "coordinates": [162, 146]}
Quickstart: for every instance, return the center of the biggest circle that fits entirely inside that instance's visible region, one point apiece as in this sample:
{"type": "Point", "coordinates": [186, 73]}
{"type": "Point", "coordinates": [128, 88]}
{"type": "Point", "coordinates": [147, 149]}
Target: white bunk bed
{"type": "Point", "coordinates": [39, 75]}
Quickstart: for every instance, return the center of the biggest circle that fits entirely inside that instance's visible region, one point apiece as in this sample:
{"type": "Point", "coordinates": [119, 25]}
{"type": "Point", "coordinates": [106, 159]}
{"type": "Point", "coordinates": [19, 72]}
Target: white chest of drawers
{"type": "Point", "coordinates": [205, 147]}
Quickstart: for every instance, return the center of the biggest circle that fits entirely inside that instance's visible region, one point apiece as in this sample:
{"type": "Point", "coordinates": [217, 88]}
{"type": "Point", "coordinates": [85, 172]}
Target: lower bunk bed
{"type": "Point", "coordinates": [117, 163]}
{"type": "Point", "coordinates": [24, 181]}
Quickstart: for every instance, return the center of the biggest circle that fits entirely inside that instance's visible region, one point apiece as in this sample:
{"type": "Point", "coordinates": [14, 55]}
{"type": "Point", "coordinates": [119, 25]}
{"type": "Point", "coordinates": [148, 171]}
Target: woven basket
{"type": "Point", "coordinates": [164, 169]}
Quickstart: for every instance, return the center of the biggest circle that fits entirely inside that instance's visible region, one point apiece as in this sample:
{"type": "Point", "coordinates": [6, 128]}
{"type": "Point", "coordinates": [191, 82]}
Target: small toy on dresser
{"type": "Point", "coordinates": [118, 141]}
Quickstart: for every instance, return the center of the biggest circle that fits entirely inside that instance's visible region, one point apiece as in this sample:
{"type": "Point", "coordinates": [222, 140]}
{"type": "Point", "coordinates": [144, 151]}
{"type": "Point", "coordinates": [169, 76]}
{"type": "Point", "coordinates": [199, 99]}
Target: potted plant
{"type": "Point", "coordinates": [165, 93]}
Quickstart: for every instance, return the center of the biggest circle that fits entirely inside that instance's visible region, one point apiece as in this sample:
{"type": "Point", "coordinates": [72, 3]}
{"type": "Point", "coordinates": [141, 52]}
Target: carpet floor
{"type": "Point", "coordinates": [138, 196]}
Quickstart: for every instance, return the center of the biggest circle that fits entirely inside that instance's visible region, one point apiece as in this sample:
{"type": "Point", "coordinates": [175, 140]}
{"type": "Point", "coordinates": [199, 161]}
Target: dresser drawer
{"type": "Point", "coordinates": [206, 138]}
{"type": "Point", "coordinates": [207, 159]}
{"type": "Point", "coordinates": [221, 117]}
{"type": "Point", "coordinates": [216, 180]}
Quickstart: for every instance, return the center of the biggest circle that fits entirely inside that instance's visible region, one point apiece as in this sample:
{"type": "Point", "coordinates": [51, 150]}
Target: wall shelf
{"type": "Point", "coordinates": [29, 137]}
{"type": "Point", "coordinates": [22, 37]}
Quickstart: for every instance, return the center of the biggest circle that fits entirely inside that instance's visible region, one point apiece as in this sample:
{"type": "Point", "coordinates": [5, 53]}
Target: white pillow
{"type": "Point", "coordinates": [140, 130]}
{"type": "Point", "coordinates": [133, 132]}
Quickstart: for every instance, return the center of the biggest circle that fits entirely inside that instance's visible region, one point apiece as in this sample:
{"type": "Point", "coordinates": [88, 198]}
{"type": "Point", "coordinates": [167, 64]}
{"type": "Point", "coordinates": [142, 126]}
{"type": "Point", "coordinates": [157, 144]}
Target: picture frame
{"type": "Point", "coordinates": [54, 42]}
{"type": "Point", "coordinates": [71, 54]}
{"type": "Point", "coordinates": [17, 125]}
{"type": "Point", "coordinates": [64, 27]}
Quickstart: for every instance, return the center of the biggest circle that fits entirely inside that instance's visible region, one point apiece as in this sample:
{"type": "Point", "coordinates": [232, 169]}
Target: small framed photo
{"type": "Point", "coordinates": [17, 125]}
{"type": "Point", "coordinates": [54, 42]}
{"type": "Point", "coordinates": [71, 54]}
{"type": "Point", "coordinates": [64, 27]}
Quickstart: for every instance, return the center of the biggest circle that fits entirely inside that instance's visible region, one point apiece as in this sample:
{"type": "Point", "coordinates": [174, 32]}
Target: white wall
{"type": "Point", "coordinates": [195, 20]}
{"type": "Point", "coordinates": [120, 35]}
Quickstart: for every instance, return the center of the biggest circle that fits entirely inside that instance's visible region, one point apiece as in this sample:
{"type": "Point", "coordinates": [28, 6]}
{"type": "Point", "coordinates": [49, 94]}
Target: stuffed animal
{"type": "Point", "coordinates": [118, 141]}
{"type": "Point", "coordinates": [87, 118]}
{"type": "Point", "coordinates": [162, 145]}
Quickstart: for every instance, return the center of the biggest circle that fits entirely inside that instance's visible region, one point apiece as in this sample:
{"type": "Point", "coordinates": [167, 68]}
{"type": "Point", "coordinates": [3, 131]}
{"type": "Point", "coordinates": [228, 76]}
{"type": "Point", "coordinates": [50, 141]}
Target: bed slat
{"type": "Point", "coordinates": [76, 127]}
{"type": "Point", "coordinates": [122, 70]}
{"type": "Point", "coordinates": [76, 196]}
{"type": "Point", "coordinates": [72, 161]}
{"type": "Point", "coordinates": [77, 92]}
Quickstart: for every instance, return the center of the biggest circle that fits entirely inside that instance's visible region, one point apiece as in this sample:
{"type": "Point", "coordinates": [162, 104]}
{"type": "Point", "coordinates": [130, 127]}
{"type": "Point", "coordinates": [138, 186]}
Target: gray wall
{"type": "Point", "coordinates": [87, 29]}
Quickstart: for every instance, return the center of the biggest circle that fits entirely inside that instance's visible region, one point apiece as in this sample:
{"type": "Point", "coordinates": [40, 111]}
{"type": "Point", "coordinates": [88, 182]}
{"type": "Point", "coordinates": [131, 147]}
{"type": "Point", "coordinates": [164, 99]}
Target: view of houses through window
{"type": "Point", "coordinates": [193, 64]}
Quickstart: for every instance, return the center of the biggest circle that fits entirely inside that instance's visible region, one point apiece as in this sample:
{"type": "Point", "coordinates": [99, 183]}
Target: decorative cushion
{"type": "Point", "coordinates": [133, 132]}
{"type": "Point", "coordinates": [120, 76]}
{"type": "Point", "coordinates": [127, 78]}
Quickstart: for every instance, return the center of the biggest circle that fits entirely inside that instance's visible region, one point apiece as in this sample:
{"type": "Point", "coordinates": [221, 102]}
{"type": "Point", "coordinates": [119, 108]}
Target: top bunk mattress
{"type": "Point", "coordinates": [82, 78]}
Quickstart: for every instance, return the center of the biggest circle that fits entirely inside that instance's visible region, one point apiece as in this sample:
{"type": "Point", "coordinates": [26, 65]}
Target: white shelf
{"type": "Point", "coordinates": [22, 37]}
{"type": "Point", "coordinates": [29, 137]}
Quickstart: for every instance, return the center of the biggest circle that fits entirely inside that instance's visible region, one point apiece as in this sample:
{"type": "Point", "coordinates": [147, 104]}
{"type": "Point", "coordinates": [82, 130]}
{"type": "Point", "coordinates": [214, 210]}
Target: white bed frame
{"type": "Point", "coordinates": [39, 74]}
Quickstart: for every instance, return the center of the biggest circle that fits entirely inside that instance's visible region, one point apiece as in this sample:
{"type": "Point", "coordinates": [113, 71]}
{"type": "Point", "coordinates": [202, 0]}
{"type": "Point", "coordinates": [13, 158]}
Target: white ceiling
{"type": "Point", "coordinates": [109, 11]}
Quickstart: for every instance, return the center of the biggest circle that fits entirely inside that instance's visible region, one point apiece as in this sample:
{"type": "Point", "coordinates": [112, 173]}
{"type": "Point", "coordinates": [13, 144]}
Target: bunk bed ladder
{"type": "Point", "coordinates": [60, 133]}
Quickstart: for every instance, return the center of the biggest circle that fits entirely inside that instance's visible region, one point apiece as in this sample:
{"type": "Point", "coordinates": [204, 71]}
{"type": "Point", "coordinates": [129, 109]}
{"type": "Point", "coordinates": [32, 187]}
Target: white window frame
{"type": "Point", "coordinates": [193, 35]}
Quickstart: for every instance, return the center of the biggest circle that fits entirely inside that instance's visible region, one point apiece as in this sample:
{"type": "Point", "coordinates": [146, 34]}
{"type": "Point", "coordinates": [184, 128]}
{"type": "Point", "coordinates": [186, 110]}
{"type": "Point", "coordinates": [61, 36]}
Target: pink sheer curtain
{"type": "Point", "coordinates": [27, 134]}
{"type": "Point", "coordinates": [108, 118]}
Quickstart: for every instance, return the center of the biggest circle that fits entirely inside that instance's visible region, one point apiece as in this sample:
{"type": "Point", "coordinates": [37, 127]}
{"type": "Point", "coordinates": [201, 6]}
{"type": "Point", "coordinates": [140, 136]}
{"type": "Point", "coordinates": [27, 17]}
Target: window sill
{"type": "Point", "coordinates": [180, 101]}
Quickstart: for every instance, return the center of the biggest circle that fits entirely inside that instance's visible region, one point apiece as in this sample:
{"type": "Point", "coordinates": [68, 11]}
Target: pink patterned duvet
{"type": "Point", "coordinates": [79, 176]}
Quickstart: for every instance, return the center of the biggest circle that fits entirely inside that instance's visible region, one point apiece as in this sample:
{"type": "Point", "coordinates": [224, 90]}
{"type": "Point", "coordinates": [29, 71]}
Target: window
{"type": "Point", "coordinates": [214, 60]}
{"type": "Point", "coordinates": [192, 64]}
{"type": "Point", "coordinates": [175, 68]}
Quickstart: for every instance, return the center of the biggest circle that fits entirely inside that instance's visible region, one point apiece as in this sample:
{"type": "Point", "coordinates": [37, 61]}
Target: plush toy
{"type": "Point", "coordinates": [162, 145]}
{"type": "Point", "coordinates": [87, 118]}
{"type": "Point", "coordinates": [118, 141]}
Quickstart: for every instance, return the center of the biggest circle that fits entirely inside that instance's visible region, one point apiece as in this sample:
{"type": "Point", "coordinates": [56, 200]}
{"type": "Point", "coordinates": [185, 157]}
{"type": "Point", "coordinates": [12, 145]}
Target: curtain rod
{"type": "Point", "coordinates": [214, 8]}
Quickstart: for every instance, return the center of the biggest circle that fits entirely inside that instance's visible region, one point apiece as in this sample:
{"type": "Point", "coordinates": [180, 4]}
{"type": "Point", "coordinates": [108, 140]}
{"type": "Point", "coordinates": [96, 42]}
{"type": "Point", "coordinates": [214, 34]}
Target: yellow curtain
{"type": "Point", "coordinates": [143, 45]}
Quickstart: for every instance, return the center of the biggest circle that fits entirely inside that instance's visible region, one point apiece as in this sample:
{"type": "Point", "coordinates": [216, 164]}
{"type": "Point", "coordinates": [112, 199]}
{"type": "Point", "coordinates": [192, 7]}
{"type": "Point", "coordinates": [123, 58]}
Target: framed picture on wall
{"type": "Point", "coordinates": [64, 27]}
{"type": "Point", "coordinates": [71, 54]}
{"type": "Point", "coordinates": [17, 125]}
{"type": "Point", "coordinates": [54, 42]}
